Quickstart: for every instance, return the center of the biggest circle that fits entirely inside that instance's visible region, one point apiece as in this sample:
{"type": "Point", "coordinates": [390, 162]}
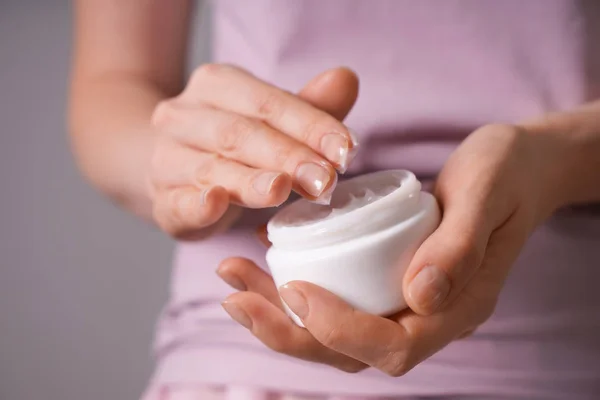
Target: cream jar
{"type": "Point", "coordinates": [360, 245]}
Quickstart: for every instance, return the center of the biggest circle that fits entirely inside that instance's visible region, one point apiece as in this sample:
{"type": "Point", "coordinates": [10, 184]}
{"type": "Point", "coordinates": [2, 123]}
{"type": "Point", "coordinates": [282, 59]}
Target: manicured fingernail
{"type": "Point", "coordinates": [335, 147]}
{"type": "Point", "coordinates": [204, 195]}
{"type": "Point", "coordinates": [237, 314]}
{"type": "Point", "coordinates": [353, 137]}
{"type": "Point", "coordinates": [232, 280]}
{"type": "Point", "coordinates": [264, 182]}
{"type": "Point", "coordinates": [352, 150]}
{"type": "Point", "coordinates": [325, 197]}
{"type": "Point", "coordinates": [313, 178]}
{"type": "Point", "coordinates": [189, 202]}
{"type": "Point", "coordinates": [294, 300]}
{"type": "Point", "coordinates": [429, 288]}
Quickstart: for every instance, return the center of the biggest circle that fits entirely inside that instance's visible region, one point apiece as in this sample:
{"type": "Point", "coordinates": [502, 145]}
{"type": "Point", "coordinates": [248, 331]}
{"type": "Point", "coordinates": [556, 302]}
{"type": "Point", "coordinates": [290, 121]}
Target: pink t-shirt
{"type": "Point", "coordinates": [431, 72]}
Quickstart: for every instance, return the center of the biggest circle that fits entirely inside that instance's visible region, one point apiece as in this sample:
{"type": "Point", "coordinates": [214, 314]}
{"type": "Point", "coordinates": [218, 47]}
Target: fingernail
{"type": "Point", "coordinates": [325, 197]}
{"type": "Point", "coordinates": [187, 202]}
{"type": "Point", "coordinates": [237, 314]}
{"type": "Point", "coordinates": [429, 288]}
{"type": "Point", "coordinates": [204, 196]}
{"type": "Point", "coordinates": [352, 150]}
{"type": "Point", "coordinates": [334, 147]}
{"type": "Point", "coordinates": [313, 178]}
{"type": "Point", "coordinates": [294, 300]}
{"type": "Point", "coordinates": [232, 280]}
{"type": "Point", "coordinates": [263, 182]}
{"type": "Point", "coordinates": [353, 137]}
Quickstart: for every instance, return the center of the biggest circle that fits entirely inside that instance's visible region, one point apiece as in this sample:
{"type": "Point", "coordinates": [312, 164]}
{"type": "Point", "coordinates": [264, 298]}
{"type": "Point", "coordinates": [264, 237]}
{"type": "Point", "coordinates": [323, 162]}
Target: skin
{"type": "Point", "coordinates": [184, 156]}
{"type": "Point", "coordinates": [189, 156]}
{"type": "Point", "coordinates": [498, 186]}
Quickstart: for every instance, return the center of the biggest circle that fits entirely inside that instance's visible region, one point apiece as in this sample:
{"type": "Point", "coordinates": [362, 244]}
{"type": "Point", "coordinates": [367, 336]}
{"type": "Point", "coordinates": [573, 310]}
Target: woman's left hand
{"type": "Point", "coordinates": [494, 190]}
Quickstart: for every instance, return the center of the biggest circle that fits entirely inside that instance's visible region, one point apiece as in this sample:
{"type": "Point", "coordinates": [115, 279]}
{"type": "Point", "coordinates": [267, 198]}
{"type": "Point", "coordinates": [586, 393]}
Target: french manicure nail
{"type": "Point", "coordinates": [334, 147]}
{"type": "Point", "coordinates": [294, 300]}
{"type": "Point", "coordinates": [327, 194]}
{"type": "Point", "coordinates": [353, 137]}
{"type": "Point", "coordinates": [263, 182]}
{"type": "Point", "coordinates": [204, 195]}
{"type": "Point", "coordinates": [237, 314]}
{"type": "Point", "coordinates": [352, 150]}
{"type": "Point", "coordinates": [313, 178]}
{"type": "Point", "coordinates": [429, 288]}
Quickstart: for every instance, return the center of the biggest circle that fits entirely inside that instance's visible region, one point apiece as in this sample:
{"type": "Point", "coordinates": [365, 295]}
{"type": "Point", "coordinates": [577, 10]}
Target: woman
{"type": "Point", "coordinates": [495, 100]}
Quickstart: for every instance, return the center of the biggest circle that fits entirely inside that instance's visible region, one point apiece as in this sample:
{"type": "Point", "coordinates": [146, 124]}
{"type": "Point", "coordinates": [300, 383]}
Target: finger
{"type": "Point", "coordinates": [392, 346]}
{"type": "Point", "coordinates": [448, 259]}
{"type": "Point", "coordinates": [467, 333]}
{"type": "Point", "coordinates": [277, 331]}
{"type": "Point", "coordinates": [244, 275]}
{"type": "Point", "coordinates": [397, 344]}
{"type": "Point", "coordinates": [184, 211]}
{"type": "Point", "coordinates": [249, 141]}
{"type": "Point", "coordinates": [378, 342]}
{"type": "Point", "coordinates": [249, 187]}
{"type": "Point", "coordinates": [238, 91]}
{"type": "Point", "coordinates": [472, 306]}
{"type": "Point", "coordinates": [334, 91]}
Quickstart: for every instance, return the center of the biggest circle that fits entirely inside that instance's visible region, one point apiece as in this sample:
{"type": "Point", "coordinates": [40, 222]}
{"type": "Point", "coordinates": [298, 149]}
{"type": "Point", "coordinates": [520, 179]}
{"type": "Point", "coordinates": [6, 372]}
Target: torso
{"type": "Point", "coordinates": [431, 72]}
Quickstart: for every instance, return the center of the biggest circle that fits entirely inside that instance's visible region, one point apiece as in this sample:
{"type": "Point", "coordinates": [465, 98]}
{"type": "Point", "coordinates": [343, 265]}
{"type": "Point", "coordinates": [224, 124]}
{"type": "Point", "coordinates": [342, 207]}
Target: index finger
{"type": "Point", "coordinates": [238, 91]}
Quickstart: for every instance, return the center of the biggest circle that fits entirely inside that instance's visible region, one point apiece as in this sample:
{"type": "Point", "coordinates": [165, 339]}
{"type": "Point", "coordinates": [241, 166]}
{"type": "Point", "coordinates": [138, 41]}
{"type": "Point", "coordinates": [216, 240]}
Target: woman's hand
{"type": "Point", "coordinates": [494, 190]}
{"type": "Point", "coordinates": [230, 138]}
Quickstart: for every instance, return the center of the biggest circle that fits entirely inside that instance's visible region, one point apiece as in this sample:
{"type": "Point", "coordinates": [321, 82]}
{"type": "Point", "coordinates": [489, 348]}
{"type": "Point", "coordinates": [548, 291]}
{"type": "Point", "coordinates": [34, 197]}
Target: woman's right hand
{"type": "Point", "coordinates": [232, 139]}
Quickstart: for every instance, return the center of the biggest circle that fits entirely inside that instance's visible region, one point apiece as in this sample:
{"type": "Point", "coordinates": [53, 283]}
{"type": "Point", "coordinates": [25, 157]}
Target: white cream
{"type": "Point", "coordinates": [359, 245]}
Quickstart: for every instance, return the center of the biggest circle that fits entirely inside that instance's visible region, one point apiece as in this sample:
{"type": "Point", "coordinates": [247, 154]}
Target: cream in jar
{"type": "Point", "coordinates": [360, 245]}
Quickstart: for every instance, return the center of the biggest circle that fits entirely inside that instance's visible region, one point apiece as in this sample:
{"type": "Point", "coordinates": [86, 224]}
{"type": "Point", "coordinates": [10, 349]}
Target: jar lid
{"type": "Point", "coordinates": [359, 206]}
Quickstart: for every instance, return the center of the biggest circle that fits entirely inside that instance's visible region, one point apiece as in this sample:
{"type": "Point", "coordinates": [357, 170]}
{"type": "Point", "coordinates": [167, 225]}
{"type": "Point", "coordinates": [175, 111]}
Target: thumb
{"type": "Point", "coordinates": [447, 260]}
{"type": "Point", "coordinates": [333, 91]}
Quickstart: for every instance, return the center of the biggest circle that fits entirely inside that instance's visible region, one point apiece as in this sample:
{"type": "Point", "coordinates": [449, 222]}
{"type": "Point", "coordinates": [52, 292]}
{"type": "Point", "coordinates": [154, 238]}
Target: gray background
{"type": "Point", "coordinates": [81, 282]}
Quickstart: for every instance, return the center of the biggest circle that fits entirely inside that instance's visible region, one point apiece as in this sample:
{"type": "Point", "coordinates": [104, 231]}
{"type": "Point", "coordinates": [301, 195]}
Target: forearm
{"type": "Point", "coordinates": [112, 137]}
{"type": "Point", "coordinates": [575, 167]}
{"type": "Point", "coordinates": [127, 56]}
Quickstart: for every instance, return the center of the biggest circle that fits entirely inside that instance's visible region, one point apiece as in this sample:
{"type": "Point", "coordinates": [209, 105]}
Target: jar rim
{"type": "Point", "coordinates": [303, 225]}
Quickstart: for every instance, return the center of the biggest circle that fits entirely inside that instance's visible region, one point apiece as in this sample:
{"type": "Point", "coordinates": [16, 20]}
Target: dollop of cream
{"type": "Point", "coordinates": [348, 196]}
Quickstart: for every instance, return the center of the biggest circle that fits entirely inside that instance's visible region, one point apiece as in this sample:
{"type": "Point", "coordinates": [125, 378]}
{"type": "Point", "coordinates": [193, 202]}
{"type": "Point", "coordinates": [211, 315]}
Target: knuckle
{"type": "Point", "coordinates": [395, 364]}
{"type": "Point", "coordinates": [281, 342]}
{"type": "Point", "coordinates": [269, 105]}
{"type": "Point", "coordinates": [282, 346]}
{"type": "Point", "coordinates": [282, 155]}
{"type": "Point", "coordinates": [233, 135]}
{"type": "Point", "coordinates": [312, 132]}
{"type": "Point", "coordinates": [176, 214]}
{"type": "Point", "coordinates": [164, 113]}
{"type": "Point", "coordinates": [205, 72]}
{"type": "Point", "coordinates": [203, 171]}
{"type": "Point", "coordinates": [332, 336]}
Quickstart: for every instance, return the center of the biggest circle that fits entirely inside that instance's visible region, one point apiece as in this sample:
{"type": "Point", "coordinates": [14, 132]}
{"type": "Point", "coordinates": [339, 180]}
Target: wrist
{"type": "Point", "coordinates": [555, 156]}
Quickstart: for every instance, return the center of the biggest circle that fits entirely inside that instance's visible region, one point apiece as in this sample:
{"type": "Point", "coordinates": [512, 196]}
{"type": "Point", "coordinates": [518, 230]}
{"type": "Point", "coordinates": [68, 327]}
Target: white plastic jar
{"type": "Point", "coordinates": [360, 245]}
